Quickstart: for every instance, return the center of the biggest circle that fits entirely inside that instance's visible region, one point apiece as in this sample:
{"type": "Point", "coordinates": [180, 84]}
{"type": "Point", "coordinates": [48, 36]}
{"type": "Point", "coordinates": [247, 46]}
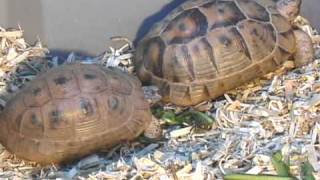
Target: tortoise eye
{"type": "Point", "coordinates": [113, 103]}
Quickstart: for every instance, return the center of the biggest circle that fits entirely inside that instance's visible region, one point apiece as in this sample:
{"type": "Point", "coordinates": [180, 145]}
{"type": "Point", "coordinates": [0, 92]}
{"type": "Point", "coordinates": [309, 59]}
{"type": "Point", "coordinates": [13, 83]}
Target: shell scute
{"type": "Point", "coordinates": [231, 52]}
{"type": "Point", "coordinates": [31, 123]}
{"type": "Point", "coordinates": [118, 84]}
{"type": "Point", "coordinates": [254, 10]}
{"type": "Point", "coordinates": [222, 14]}
{"type": "Point", "coordinates": [91, 80]}
{"type": "Point", "coordinates": [38, 94]}
{"type": "Point", "coordinates": [185, 27]}
{"type": "Point", "coordinates": [260, 38]}
{"type": "Point", "coordinates": [56, 118]}
{"type": "Point", "coordinates": [62, 84]}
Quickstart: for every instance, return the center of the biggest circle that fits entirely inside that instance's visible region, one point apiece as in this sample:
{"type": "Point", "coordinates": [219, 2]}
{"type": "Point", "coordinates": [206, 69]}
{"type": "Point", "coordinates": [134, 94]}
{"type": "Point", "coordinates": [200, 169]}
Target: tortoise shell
{"type": "Point", "coordinates": [206, 47]}
{"type": "Point", "coordinates": [71, 111]}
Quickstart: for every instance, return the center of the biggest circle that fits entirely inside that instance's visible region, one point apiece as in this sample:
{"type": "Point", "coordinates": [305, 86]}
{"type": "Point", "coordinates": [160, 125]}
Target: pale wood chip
{"type": "Point", "coordinates": [11, 34]}
{"type": "Point", "coordinates": [181, 132]}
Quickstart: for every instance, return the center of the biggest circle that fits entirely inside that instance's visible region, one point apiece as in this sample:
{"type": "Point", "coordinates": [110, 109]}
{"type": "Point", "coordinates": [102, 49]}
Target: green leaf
{"type": "Point", "coordinates": [157, 112]}
{"type": "Point", "coordinates": [255, 177]}
{"type": "Point", "coordinates": [196, 118]}
{"type": "Point", "coordinates": [190, 117]}
{"type": "Point", "coordinates": [281, 168]}
{"type": "Point", "coordinates": [170, 118]}
{"type": "Point", "coordinates": [306, 171]}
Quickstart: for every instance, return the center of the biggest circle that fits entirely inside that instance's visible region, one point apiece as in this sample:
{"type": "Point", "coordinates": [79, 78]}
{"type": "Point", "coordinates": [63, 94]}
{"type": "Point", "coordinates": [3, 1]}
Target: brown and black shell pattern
{"type": "Point", "coordinates": [72, 111]}
{"type": "Point", "coordinates": [206, 47]}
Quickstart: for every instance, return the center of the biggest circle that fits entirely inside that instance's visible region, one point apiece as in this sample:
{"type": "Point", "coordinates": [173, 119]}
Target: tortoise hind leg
{"type": "Point", "coordinates": [304, 48]}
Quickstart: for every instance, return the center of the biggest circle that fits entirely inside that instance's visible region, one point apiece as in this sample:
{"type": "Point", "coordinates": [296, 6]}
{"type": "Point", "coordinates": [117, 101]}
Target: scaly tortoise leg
{"type": "Point", "coordinates": [154, 130]}
{"type": "Point", "coordinates": [304, 48]}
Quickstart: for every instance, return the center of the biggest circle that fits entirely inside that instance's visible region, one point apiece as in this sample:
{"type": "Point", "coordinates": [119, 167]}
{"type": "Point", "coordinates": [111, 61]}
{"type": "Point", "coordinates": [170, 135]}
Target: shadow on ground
{"type": "Point", "coordinates": [63, 55]}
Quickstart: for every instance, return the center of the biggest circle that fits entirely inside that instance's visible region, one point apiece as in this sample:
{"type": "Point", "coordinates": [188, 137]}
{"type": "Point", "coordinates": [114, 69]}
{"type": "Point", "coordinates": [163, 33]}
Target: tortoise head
{"type": "Point", "coordinates": [289, 8]}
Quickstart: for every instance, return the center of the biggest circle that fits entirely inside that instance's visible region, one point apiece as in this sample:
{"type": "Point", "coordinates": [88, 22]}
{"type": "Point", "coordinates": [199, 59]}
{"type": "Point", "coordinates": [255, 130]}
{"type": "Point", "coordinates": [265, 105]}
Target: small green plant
{"type": "Point", "coordinates": [282, 169]}
{"type": "Point", "coordinates": [280, 166]}
{"type": "Point", "coordinates": [189, 117]}
{"type": "Point", "coordinates": [306, 171]}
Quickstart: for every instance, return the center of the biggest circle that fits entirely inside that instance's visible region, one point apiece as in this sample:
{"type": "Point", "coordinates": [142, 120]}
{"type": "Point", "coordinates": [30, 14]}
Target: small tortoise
{"type": "Point", "coordinates": [73, 110]}
{"type": "Point", "coordinates": [206, 47]}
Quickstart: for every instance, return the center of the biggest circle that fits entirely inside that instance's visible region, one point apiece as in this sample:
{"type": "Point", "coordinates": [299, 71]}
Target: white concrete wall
{"type": "Point", "coordinates": [86, 25]}
{"type": "Point", "coordinates": [311, 10]}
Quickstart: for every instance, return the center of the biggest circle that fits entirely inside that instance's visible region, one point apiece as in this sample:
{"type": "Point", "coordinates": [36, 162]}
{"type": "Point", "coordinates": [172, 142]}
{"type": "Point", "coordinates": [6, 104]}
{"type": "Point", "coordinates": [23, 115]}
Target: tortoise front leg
{"type": "Point", "coordinates": [304, 48]}
{"type": "Point", "coordinates": [154, 130]}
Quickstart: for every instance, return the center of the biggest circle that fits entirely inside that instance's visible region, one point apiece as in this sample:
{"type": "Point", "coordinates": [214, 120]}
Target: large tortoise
{"type": "Point", "coordinates": [206, 47]}
{"type": "Point", "coordinates": [72, 111]}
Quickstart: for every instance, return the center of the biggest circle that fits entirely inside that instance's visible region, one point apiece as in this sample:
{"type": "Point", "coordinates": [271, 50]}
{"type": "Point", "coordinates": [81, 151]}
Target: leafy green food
{"type": "Point", "coordinates": [281, 167]}
{"type": "Point", "coordinates": [282, 170]}
{"type": "Point", "coordinates": [189, 117]}
{"type": "Point", "coordinates": [306, 171]}
{"type": "Point", "coordinates": [255, 177]}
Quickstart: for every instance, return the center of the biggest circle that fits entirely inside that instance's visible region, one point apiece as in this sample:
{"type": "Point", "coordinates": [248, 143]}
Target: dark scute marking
{"type": "Point", "coordinates": [175, 63]}
{"type": "Point", "coordinates": [90, 76]}
{"type": "Point", "coordinates": [200, 22]}
{"type": "Point", "coordinates": [61, 80]}
{"type": "Point", "coordinates": [254, 32]}
{"type": "Point", "coordinates": [210, 52]}
{"type": "Point", "coordinates": [221, 10]}
{"type": "Point", "coordinates": [113, 103]}
{"type": "Point", "coordinates": [55, 118]}
{"type": "Point", "coordinates": [243, 43]}
{"type": "Point", "coordinates": [175, 78]}
{"type": "Point", "coordinates": [35, 120]}
{"type": "Point", "coordinates": [225, 40]}
{"type": "Point", "coordinates": [188, 60]}
{"type": "Point", "coordinates": [86, 107]}
{"type": "Point", "coordinates": [155, 67]}
{"type": "Point", "coordinates": [182, 27]}
{"type": "Point", "coordinates": [36, 91]}
{"type": "Point", "coordinates": [222, 24]}
{"type": "Point", "coordinates": [236, 17]}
